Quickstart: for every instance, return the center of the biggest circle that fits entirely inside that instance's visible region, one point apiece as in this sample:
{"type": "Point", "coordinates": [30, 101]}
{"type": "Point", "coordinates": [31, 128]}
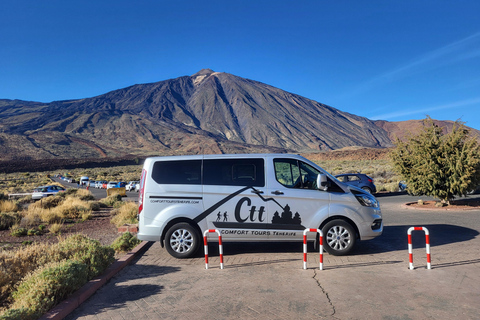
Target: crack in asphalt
{"type": "Point", "coordinates": [325, 293]}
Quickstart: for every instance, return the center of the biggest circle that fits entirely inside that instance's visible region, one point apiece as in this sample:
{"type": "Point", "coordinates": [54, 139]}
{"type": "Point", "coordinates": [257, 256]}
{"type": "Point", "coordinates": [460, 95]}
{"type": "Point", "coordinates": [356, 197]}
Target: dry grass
{"type": "Point", "coordinates": [126, 214]}
{"type": "Point", "coordinates": [55, 228]}
{"type": "Point", "coordinates": [9, 206]}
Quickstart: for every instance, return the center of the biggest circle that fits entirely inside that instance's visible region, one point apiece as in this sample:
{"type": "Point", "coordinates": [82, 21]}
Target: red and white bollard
{"type": "Point", "coordinates": [206, 246]}
{"type": "Point", "coordinates": [410, 249]}
{"type": "Point", "coordinates": [305, 247]}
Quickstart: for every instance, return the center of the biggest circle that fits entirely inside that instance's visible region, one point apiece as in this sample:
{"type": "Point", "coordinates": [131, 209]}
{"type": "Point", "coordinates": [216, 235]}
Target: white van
{"type": "Point", "coordinates": [83, 181]}
{"type": "Point", "coordinates": [250, 197]}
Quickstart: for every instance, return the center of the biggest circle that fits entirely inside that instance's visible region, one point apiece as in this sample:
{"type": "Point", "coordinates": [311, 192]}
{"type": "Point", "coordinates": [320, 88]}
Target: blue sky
{"type": "Point", "coordinates": [390, 60]}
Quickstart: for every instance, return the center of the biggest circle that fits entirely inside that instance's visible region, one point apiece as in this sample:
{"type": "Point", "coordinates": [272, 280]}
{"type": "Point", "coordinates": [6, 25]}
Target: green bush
{"type": "Point", "coordinates": [14, 266]}
{"type": "Point", "coordinates": [47, 286]}
{"type": "Point", "coordinates": [17, 231]}
{"type": "Point", "coordinates": [125, 242]}
{"type": "Point", "coordinates": [88, 251]}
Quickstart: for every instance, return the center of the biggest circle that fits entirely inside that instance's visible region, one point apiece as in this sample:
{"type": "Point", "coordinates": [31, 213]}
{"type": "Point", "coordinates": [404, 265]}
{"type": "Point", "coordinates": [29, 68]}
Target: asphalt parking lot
{"type": "Point", "coordinates": [268, 281]}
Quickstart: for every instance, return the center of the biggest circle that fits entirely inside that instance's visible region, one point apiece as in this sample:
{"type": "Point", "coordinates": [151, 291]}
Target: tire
{"type": "Point", "coordinates": [367, 189]}
{"type": "Point", "coordinates": [182, 240]}
{"type": "Point", "coordinates": [339, 237]}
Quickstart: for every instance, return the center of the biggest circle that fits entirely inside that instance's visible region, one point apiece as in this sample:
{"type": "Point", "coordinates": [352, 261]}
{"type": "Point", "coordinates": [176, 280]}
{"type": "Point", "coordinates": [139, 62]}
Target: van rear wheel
{"type": "Point", "coordinates": [339, 237]}
{"type": "Point", "coordinates": [182, 240]}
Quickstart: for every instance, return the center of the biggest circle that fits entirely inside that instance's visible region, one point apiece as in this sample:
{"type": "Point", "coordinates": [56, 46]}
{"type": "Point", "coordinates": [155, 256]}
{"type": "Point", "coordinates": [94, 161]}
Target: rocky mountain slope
{"type": "Point", "coordinates": [208, 112]}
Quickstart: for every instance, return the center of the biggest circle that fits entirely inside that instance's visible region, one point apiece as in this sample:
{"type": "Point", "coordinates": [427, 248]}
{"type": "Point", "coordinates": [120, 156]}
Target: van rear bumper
{"type": "Point", "coordinates": [147, 237]}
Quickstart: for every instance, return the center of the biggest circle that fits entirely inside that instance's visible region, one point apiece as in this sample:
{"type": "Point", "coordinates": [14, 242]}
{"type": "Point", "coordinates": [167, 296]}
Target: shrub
{"type": "Point", "coordinates": [88, 251]}
{"type": "Point", "coordinates": [14, 266]}
{"type": "Point", "coordinates": [17, 231]}
{"type": "Point", "coordinates": [85, 195]}
{"type": "Point", "coordinates": [7, 220]}
{"type": "Point", "coordinates": [112, 199]}
{"type": "Point", "coordinates": [125, 242]}
{"type": "Point", "coordinates": [55, 228]}
{"type": "Point", "coordinates": [46, 203]}
{"type": "Point", "coordinates": [96, 205]}
{"type": "Point", "coordinates": [47, 286]}
{"type": "Point", "coordinates": [437, 164]}
{"type": "Point", "coordinates": [9, 206]}
{"type": "Point", "coordinates": [33, 232]}
{"type": "Point", "coordinates": [72, 208]}
{"type": "Point", "coordinates": [51, 217]}
{"type": "Point", "coordinates": [127, 213]}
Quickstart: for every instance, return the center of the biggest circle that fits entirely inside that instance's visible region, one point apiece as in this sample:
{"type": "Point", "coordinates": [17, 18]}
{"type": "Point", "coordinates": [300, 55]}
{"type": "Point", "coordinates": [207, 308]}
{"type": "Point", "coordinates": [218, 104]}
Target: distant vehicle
{"type": "Point", "coordinates": [45, 191]}
{"type": "Point", "coordinates": [92, 183]}
{"type": "Point", "coordinates": [120, 184]}
{"type": "Point", "coordinates": [137, 187]}
{"type": "Point", "coordinates": [111, 184]}
{"type": "Point", "coordinates": [131, 185]}
{"type": "Point", "coordinates": [402, 186]}
{"type": "Point", "coordinates": [98, 184]}
{"type": "Point", "coordinates": [474, 191]}
{"type": "Point", "coordinates": [83, 181]}
{"type": "Point", "coordinates": [358, 180]}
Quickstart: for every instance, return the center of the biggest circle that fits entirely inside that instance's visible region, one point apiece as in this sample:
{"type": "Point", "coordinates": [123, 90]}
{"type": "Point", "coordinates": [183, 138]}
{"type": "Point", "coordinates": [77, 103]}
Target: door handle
{"type": "Point", "coordinates": [257, 191]}
{"type": "Point", "coordinates": [277, 192]}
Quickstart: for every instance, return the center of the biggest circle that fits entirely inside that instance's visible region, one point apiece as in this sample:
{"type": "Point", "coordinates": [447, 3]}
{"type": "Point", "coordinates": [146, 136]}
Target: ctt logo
{"type": "Point", "coordinates": [254, 214]}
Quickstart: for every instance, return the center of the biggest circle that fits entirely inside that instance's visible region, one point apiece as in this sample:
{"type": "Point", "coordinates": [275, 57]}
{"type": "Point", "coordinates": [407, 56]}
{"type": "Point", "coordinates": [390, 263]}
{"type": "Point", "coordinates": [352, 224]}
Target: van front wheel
{"type": "Point", "coordinates": [182, 240]}
{"type": "Point", "coordinates": [339, 237]}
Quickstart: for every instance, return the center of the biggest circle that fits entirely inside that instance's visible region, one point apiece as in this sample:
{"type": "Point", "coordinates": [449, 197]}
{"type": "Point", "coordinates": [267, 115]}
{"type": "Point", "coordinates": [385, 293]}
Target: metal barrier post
{"type": "Point", "coordinates": [205, 245]}
{"type": "Point", "coordinates": [305, 247]}
{"type": "Point", "coordinates": [410, 247]}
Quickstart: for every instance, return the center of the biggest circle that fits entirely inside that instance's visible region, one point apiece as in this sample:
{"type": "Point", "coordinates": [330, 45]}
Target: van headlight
{"type": "Point", "coordinates": [367, 200]}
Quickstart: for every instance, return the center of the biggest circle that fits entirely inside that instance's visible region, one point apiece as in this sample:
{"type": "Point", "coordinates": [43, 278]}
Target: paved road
{"type": "Point", "coordinates": [98, 193]}
{"type": "Point", "coordinates": [267, 280]}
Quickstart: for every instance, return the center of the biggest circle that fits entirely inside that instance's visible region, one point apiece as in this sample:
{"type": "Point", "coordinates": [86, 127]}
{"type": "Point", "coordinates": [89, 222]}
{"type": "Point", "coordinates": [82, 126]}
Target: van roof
{"type": "Point", "coordinates": [224, 156]}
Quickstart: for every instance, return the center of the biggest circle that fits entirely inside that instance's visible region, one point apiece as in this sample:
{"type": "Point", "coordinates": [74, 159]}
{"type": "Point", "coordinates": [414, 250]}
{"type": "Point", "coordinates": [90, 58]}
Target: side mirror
{"type": "Point", "coordinates": [322, 182]}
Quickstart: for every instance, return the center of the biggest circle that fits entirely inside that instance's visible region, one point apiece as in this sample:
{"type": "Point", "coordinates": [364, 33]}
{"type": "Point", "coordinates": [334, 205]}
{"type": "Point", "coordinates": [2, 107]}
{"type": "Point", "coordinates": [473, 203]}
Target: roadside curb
{"type": "Point", "coordinates": [64, 308]}
{"type": "Point", "coordinates": [408, 206]}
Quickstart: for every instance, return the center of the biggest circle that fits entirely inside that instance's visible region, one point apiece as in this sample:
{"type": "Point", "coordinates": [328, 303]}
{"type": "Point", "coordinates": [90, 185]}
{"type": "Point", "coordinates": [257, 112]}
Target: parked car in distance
{"type": "Point", "coordinates": [120, 184]}
{"type": "Point", "coordinates": [137, 187]}
{"type": "Point", "coordinates": [99, 184]}
{"type": "Point", "coordinates": [474, 191]}
{"type": "Point", "coordinates": [111, 184]}
{"type": "Point", "coordinates": [92, 184]}
{"type": "Point", "coordinates": [131, 185]}
{"type": "Point", "coordinates": [45, 191]}
{"type": "Point", "coordinates": [358, 180]}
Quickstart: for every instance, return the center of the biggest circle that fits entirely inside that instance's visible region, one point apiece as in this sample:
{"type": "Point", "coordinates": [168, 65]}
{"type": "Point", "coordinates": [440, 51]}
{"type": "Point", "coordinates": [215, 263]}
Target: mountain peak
{"type": "Point", "coordinates": [203, 72]}
{"type": "Point", "coordinates": [201, 75]}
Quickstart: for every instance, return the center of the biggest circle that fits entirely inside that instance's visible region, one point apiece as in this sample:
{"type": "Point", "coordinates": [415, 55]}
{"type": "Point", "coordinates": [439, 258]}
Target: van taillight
{"type": "Point", "coordinates": [141, 191]}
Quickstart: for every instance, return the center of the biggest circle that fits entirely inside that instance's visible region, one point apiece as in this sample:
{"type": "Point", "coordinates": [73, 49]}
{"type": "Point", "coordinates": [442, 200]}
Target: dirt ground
{"type": "Point", "coordinates": [98, 228]}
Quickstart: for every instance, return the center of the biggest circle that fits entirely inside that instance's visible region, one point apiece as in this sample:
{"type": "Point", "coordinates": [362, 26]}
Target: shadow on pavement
{"type": "Point", "coordinates": [389, 194]}
{"type": "Point", "coordinates": [395, 238]}
{"type": "Point", "coordinates": [121, 294]}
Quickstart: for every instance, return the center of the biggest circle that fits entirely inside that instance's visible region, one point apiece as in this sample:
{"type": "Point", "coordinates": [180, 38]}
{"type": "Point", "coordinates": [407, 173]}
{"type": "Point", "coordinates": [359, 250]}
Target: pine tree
{"type": "Point", "coordinates": [437, 164]}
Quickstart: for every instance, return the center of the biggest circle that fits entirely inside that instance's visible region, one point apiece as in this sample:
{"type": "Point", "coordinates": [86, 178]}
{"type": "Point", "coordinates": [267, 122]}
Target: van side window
{"type": "Point", "coordinates": [296, 174]}
{"type": "Point", "coordinates": [287, 172]}
{"type": "Point", "coordinates": [177, 172]}
{"type": "Point", "coordinates": [234, 172]}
